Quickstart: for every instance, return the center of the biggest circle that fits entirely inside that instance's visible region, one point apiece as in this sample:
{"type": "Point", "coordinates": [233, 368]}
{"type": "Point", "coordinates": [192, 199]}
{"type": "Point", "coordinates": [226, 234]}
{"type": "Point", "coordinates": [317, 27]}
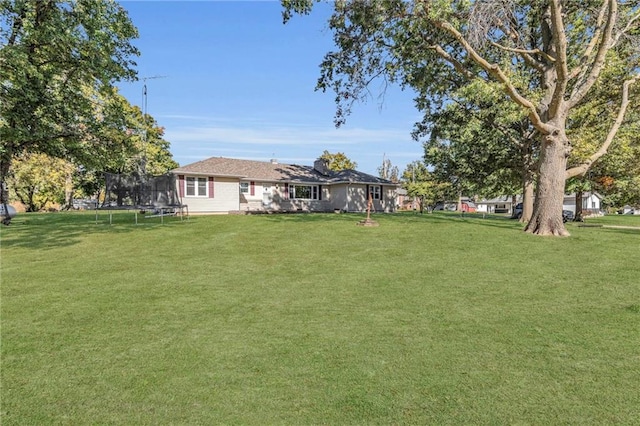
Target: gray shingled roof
{"type": "Point", "coordinates": [355, 176]}
{"type": "Point", "coordinates": [274, 172]}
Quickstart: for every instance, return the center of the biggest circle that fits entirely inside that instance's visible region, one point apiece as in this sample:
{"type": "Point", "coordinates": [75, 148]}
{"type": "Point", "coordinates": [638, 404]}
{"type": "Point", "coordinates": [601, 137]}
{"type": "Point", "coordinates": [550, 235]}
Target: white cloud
{"type": "Point", "coordinates": [291, 135]}
{"type": "Point", "coordinates": [292, 144]}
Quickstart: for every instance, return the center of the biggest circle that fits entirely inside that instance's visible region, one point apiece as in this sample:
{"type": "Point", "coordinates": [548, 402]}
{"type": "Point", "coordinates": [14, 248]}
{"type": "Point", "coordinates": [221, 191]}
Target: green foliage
{"type": "Point", "coordinates": [58, 61]}
{"type": "Point", "coordinates": [338, 161]}
{"type": "Point", "coordinates": [38, 180]}
{"type": "Point", "coordinates": [424, 320]}
{"type": "Point", "coordinates": [130, 140]}
{"type": "Point", "coordinates": [510, 55]}
{"type": "Point", "coordinates": [425, 186]}
{"type": "Point", "coordinates": [616, 175]}
{"type": "Point", "coordinates": [481, 142]}
{"type": "Point", "coordinates": [54, 57]}
{"type": "Point", "coordinates": [125, 143]}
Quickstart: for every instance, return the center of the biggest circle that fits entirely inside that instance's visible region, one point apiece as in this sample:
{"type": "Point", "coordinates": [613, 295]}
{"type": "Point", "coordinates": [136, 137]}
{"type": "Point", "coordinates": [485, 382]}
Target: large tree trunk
{"type": "Point", "coordinates": [527, 196]}
{"type": "Point", "coordinates": [547, 214]}
{"type": "Point", "coordinates": [68, 191]}
{"type": "Point", "coordinates": [5, 165]}
{"type": "Point", "coordinates": [578, 214]}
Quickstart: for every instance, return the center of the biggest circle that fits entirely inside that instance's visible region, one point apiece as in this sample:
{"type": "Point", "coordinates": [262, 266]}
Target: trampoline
{"type": "Point", "coordinates": [151, 196]}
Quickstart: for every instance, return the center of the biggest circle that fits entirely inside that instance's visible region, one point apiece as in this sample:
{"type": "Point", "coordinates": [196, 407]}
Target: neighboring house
{"type": "Point", "coordinates": [227, 185]}
{"type": "Point", "coordinates": [590, 202]}
{"type": "Point", "coordinates": [504, 204]}
{"type": "Point", "coordinates": [468, 206]}
{"type": "Point", "coordinates": [405, 201]}
{"type": "Point", "coordinates": [627, 209]}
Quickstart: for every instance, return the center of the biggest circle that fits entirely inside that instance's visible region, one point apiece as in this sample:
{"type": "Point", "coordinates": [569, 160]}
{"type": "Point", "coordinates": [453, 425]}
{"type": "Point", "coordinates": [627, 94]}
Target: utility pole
{"type": "Point", "coordinates": [143, 165]}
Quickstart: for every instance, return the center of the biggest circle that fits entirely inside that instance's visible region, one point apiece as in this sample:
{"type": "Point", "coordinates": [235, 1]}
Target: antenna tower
{"type": "Point", "coordinates": [145, 111]}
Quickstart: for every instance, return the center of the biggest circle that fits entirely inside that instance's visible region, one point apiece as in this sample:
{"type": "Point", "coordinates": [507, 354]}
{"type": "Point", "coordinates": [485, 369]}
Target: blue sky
{"type": "Point", "coordinates": [235, 82]}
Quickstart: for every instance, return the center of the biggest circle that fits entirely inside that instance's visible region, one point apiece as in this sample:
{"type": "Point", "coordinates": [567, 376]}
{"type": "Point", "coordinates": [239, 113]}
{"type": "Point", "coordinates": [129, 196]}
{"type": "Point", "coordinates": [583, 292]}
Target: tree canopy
{"type": "Point", "coordinates": [480, 142]}
{"type": "Point", "coordinates": [424, 185]}
{"type": "Point", "coordinates": [338, 161]}
{"type": "Point", "coordinates": [545, 55]}
{"type": "Point", "coordinates": [388, 171]}
{"type": "Point", "coordinates": [133, 144]}
{"type": "Point", "coordinates": [58, 61]}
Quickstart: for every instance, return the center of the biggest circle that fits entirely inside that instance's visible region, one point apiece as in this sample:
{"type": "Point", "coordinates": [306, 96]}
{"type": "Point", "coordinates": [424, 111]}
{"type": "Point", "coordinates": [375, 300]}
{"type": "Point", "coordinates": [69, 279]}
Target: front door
{"type": "Point", "coordinates": [267, 196]}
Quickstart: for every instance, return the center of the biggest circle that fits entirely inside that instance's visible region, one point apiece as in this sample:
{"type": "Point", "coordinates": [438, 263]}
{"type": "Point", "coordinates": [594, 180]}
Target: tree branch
{"type": "Point", "coordinates": [584, 167]}
{"type": "Point", "coordinates": [580, 68]}
{"type": "Point", "coordinates": [627, 27]}
{"type": "Point", "coordinates": [598, 64]}
{"type": "Point", "coordinates": [453, 61]}
{"type": "Point", "coordinates": [560, 43]}
{"type": "Point", "coordinates": [497, 73]}
{"type": "Point", "coordinates": [526, 55]}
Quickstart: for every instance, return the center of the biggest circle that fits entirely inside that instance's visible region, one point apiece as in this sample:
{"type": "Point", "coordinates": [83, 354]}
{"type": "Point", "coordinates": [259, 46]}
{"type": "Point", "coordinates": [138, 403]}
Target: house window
{"type": "Point", "coordinates": [244, 187]}
{"type": "Point", "coordinates": [196, 186]}
{"type": "Point", "coordinates": [304, 192]}
{"type": "Point", "coordinates": [375, 192]}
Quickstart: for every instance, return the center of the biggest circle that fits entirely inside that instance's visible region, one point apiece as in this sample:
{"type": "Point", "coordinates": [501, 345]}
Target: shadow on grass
{"type": "Point", "coordinates": [54, 230]}
{"type": "Point", "coordinates": [400, 217]}
{"type": "Point", "coordinates": [626, 231]}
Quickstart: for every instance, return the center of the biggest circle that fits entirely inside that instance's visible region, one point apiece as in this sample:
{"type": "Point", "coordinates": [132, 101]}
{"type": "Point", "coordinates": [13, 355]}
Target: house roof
{"type": "Point", "coordinates": [585, 194]}
{"type": "Point", "coordinates": [505, 199]}
{"type": "Point", "coordinates": [272, 171]}
{"type": "Point", "coordinates": [508, 198]}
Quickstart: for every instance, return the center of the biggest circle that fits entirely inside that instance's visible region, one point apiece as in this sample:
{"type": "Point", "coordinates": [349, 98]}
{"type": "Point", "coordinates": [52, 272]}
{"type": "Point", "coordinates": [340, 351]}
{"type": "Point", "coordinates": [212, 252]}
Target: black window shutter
{"type": "Point", "coordinates": [320, 192]}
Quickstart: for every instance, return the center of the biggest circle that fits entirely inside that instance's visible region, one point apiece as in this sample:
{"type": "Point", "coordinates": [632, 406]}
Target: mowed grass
{"type": "Point", "coordinates": [310, 319]}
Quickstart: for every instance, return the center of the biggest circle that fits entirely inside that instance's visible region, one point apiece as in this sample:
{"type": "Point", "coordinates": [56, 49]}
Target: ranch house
{"type": "Point", "coordinates": [227, 185]}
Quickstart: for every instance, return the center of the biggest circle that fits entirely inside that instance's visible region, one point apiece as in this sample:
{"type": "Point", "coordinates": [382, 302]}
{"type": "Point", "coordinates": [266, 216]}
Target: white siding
{"type": "Point", "coordinates": [225, 198]}
{"type": "Point", "coordinates": [354, 198]}
{"type": "Point", "coordinates": [339, 197]}
{"type": "Point", "coordinates": [590, 202]}
{"type": "Point", "coordinates": [271, 196]}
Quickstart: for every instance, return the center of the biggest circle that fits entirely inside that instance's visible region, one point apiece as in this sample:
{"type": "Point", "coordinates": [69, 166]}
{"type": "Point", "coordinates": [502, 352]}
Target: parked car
{"type": "Point", "coordinates": [567, 215]}
{"type": "Point", "coordinates": [517, 211]}
{"type": "Point", "coordinates": [85, 204]}
{"type": "Point", "coordinates": [445, 206]}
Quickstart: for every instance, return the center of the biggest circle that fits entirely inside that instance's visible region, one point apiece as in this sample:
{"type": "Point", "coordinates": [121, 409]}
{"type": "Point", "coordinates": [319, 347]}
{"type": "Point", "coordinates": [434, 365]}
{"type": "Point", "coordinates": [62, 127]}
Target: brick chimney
{"type": "Point", "coordinates": [322, 166]}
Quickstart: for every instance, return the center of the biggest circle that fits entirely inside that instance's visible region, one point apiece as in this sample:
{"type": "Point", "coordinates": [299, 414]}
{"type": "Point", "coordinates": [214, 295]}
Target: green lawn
{"type": "Point", "coordinates": [310, 319]}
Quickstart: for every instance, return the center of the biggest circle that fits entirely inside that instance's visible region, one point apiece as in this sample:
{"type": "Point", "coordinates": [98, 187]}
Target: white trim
{"type": "Point", "coordinates": [196, 187]}
{"type": "Point", "coordinates": [314, 192]}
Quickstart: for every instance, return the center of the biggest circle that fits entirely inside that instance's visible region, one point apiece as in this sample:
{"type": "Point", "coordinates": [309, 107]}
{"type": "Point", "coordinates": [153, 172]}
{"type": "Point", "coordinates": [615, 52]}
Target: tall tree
{"type": "Point", "coordinates": [483, 142]}
{"type": "Point", "coordinates": [55, 56]}
{"type": "Point", "coordinates": [38, 180]}
{"type": "Point", "coordinates": [388, 171]}
{"type": "Point", "coordinates": [546, 55]}
{"type": "Point", "coordinates": [130, 142]}
{"type": "Point", "coordinates": [338, 161]}
{"type": "Point", "coordinates": [133, 141]}
{"type": "Point", "coordinates": [424, 186]}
